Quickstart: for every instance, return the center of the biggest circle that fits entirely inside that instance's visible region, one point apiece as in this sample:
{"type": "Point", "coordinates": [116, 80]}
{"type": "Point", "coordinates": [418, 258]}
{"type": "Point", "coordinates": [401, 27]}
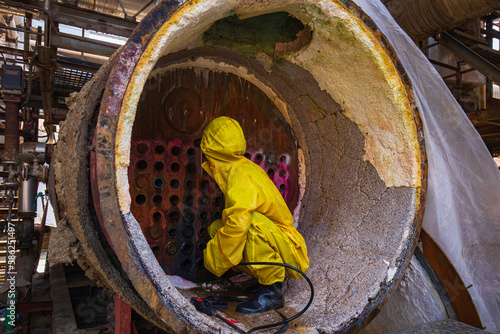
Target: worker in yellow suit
{"type": "Point", "coordinates": [256, 224]}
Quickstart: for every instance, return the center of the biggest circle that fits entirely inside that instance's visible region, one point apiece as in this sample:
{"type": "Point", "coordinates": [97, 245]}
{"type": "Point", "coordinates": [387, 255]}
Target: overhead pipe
{"type": "Point", "coordinates": [424, 18]}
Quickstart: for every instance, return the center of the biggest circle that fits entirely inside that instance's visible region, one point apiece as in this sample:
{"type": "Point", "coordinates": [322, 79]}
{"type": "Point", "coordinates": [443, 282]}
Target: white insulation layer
{"type": "Point", "coordinates": [462, 211]}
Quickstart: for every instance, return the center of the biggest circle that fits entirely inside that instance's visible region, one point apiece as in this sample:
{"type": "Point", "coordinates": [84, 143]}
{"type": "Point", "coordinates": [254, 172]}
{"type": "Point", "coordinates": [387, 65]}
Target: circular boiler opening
{"type": "Point", "coordinates": [173, 114]}
{"type": "Point", "coordinates": [360, 155]}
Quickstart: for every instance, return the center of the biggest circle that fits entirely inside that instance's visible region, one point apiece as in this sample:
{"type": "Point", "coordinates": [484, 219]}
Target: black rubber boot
{"type": "Point", "coordinates": [270, 297]}
{"type": "Point", "coordinates": [255, 288]}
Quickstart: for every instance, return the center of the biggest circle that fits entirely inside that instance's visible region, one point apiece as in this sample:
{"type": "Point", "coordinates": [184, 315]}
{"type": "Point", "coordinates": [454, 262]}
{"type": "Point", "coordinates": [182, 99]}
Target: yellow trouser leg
{"type": "Point", "coordinates": [263, 243]}
{"type": "Point", "coordinates": [262, 246]}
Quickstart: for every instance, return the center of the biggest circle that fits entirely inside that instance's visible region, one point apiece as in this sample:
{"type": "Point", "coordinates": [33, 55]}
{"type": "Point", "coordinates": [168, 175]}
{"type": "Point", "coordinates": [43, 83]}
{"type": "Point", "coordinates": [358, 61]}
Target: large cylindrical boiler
{"type": "Point", "coordinates": [327, 112]}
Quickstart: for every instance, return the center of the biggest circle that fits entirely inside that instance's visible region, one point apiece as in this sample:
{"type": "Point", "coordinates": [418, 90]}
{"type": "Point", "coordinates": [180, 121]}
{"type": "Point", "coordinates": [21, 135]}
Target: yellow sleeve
{"type": "Point", "coordinates": [225, 250]}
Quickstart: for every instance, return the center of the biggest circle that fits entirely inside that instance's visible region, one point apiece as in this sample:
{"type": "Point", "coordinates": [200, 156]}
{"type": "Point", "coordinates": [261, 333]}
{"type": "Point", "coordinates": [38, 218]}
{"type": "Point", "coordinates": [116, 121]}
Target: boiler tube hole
{"type": "Point", "coordinates": [188, 232]}
{"type": "Point", "coordinates": [204, 200]}
{"type": "Point", "coordinates": [174, 200]}
{"type": "Point", "coordinates": [157, 216]}
{"type": "Point", "coordinates": [282, 173]}
{"type": "Point", "coordinates": [175, 150]}
{"type": "Point", "coordinates": [189, 200]}
{"type": "Point", "coordinates": [259, 158]}
{"type": "Point", "coordinates": [159, 165]}
{"type": "Point", "coordinates": [203, 232]}
{"type": "Point", "coordinates": [217, 215]}
{"type": "Point", "coordinates": [191, 184]}
{"type": "Point", "coordinates": [191, 152]}
{"type": "Point", "coordinates": [142, 148]}
{"type": "Point", "coordinates": [142, 165]}
{"type": "Point", "coordinates": [175, 167]}
{"type": "Point", "coordinates": [270, 172]}
{"type": "Point", "coordinates": [157, 199]}
{"type": "Point", "coordinates": [218, 200]}
{"type": "Point", "coordinates": [283, 159]}
{"type": "Point", "coordinates": [202, 246]}
{"type": "Point", "coordinates": [186, 264]}
{"type": "Point", "coordinates": [172, 232]}
{"type": "Point", "coordinates": [203, 216]}
{"type": "Point", "coordinates": [173, 216]}
{"type": "Point", "coordinates": [159, 149]}
{"type": "Point", "coordinates": [282, 188]}
{"type": "Point", "coordinates": [248, 156]}
{"type": "Point", "coordinates": [174, 183]}
{"type": "Point", "coordinates": [188, 215]}
{"type": "Point", "coordinates": [140, 199]}
{"type": "Point", "coordinates": [205, 184]}
{"type": "Point", "coordinates": [171, 248]}
{"type": "Point", "coordinates": [187, 247]}
{"type": "Point", "coordinates": [158, 182]}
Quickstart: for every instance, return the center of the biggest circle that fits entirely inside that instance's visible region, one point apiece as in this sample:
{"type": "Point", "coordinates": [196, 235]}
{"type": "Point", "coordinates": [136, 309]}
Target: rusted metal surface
{"type": "Point", "coordinates": [123, 316]}
{"type": "Point", "coordinates": [12, 103]}
{"type": "Point", "coordinates": [173, 199]}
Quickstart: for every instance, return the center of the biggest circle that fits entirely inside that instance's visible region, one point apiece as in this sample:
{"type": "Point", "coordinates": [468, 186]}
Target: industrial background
{"type": "Point", "coordinates": [69, 100]}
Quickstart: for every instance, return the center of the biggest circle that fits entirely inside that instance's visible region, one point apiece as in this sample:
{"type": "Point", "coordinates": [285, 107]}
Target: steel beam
{"type": "Point", "coordinates": [91, 20]}
{"type": "Point", "coordinates": [462, 51]}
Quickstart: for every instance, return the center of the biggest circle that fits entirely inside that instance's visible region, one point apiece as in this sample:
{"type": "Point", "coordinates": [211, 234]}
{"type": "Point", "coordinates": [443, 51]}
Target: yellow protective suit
{"type": "Point", "coordinates": [256, 224]}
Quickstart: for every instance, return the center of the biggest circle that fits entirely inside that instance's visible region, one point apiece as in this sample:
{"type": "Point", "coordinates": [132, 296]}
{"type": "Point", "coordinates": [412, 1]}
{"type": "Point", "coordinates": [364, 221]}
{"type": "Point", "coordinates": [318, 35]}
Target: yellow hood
{"type": "Point", "coordinates": [223, 144]}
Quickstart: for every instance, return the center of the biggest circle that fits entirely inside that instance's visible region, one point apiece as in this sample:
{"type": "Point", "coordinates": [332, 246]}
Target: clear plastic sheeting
{"type": "Point", "coordinates": [463, 195]}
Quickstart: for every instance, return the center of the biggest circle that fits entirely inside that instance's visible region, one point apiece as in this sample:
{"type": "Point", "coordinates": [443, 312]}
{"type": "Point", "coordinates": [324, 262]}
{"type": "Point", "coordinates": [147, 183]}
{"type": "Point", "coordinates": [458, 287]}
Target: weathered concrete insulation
{"type": "Point", "coordinates": [362, 160]}
{"type": "Point", "coordinates": [423, 18]}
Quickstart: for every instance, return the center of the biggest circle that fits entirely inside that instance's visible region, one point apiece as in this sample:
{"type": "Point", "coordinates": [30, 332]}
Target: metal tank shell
{"type": "Point", "coordinates": [358, 153]}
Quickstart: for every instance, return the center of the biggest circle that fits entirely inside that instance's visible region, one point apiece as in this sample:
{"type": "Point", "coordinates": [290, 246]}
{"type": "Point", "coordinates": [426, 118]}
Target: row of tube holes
{"type": "Point", "coordinates": [188, 231]}
{"type": "Point", "coordinates": [187, 247]}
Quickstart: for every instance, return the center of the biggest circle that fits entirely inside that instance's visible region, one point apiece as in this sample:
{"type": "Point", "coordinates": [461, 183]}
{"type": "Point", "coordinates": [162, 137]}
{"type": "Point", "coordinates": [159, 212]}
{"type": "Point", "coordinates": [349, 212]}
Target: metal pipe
{"type": "Point", "coordinates": [479, 63]}
{"type": "Point", "coordinates": [424, 18]}
{"type": "Point", "coordinates": [27, 194]}
{"type": "Point", "coordinates": [32, 148]}
{"type": "Point", "coordinates": [83, 45]}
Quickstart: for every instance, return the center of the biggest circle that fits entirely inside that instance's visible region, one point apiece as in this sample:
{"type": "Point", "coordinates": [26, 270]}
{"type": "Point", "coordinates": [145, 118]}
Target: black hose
{"type": "Point", "coordinates": [284, 322]}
